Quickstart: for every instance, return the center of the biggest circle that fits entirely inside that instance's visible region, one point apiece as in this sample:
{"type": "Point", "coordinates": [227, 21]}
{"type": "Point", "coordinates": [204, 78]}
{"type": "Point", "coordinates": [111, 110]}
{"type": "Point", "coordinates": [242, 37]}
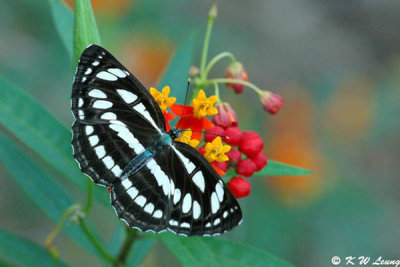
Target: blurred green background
{"type": "Point", "coordinates": [336, 64]}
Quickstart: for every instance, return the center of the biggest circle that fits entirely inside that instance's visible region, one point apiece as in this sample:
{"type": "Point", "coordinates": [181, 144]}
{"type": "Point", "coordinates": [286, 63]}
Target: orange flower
{"type": "Point", "coordinates": [164, 101]}
{"type": "Point", "coordinates": [186, 138]}
{"type": "Point", "coordinates": [214, 152]}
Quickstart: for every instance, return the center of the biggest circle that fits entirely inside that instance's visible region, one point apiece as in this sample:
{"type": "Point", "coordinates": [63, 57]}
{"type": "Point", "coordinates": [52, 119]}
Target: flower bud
{"type": "Point", "coordinates": [234, 136]}
{"type": "Point", "coordinates": [260, 160]}
{"type": "Point", "coordinates": [236, 71]}
{"type": "Point", "coordinates": [246, 167]}
{"type": "Point", "coordinates": [223, 166]}
{"type": "Point", "coordinates": [239, 187]}
{"type": "Point", "coordinates": [213, 133]}
{"type": "Point", "coordinates": [234, 157]}
{"type": "Point", "coordinates": [251, 146]}
{"type": "Point", "coordinates": [194, 71]}
{"type": "Point", "coordinates": [271, 102]}
{"type": "Point", "coordinates": [250, 134]}
{"type": "Point", "coordinates": [226, 116]}
{"type": "Point", "coordinates": [213, 11]}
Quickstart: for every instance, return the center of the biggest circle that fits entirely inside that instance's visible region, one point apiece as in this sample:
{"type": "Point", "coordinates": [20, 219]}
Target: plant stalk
{"type": "Point", "coordinates": [226, 80]}
{"type": "Point", "coordinates": [126, 246]}
{"type": "Point", "coordinates": [214, 60]}
{"type": "Point", "coordinates": [93, 240]}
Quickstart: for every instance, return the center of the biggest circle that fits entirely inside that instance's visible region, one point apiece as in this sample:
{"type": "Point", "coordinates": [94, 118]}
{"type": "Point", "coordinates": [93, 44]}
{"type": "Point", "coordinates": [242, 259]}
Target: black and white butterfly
{"type": "Point", "coordinates": [120, 141]}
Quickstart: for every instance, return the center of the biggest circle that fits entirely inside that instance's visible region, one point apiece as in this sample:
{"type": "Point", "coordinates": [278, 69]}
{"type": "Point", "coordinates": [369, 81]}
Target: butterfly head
{"type": "Point", "coordinates": [174, 133]}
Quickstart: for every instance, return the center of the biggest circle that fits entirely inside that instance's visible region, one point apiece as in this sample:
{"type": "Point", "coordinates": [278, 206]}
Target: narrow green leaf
{"type": "Point", "coordinates": [139, 250]}
{"type": "Point", "coordinates": [275, 168]}
{"type": "Point", "coordinates": [19, 251]}
{"type": "Point", "coordinates": [45, 193]}
{"type": "Point", "coordinates": [85, 28]}
{"type": "Point", "coordinates": [177, 72]}
{"type": "Point", "coordinates": [211, 251]}
{"type": "Point", "coordinates": [36, 127]}
{"type": "Point", "coordinates": [63, 21]}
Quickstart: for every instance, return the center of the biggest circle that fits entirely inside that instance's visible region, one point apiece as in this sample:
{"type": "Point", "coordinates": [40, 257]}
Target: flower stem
{"type": "Point", "coordinates": [226, 80]}
{"type": "Point", "coordinates": [216, 87]}
{"type": "Point", "coordinates": [89, 198]}
{"type": "Point", "coordinates": [206, 44]}
{"type": "Point", "coordinates": [214, 60]}
{"type": "Point", "coordinates": [99, 247]}
{"type": "Point", "coordinates": [50, 238]}
{"type": "Point", "coordinates": [126, 246]}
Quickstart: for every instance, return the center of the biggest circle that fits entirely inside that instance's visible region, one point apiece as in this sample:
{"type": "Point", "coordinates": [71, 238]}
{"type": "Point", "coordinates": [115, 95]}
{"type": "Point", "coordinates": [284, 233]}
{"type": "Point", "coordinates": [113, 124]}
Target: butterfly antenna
{"type": "Point", "coordinates": [186, 95]}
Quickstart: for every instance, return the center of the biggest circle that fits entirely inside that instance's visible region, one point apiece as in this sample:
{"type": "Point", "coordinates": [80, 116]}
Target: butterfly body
{"type": "Point", "coordinates": [140, 160]}
{"type": "Point", "coordinates": [120, 141]}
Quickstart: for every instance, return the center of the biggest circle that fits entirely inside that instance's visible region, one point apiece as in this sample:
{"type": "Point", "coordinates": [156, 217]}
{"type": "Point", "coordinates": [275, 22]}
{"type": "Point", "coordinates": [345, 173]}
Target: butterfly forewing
{"type": "Point", "coordinates": [156, 185]}
{"type": "Point", "coordinates": [116, 118]}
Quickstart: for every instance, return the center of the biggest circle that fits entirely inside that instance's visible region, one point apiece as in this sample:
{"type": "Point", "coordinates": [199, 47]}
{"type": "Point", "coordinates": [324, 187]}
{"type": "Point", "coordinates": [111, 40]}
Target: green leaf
{"type": "Point", "coordinates": [36, 127]}
{"type": "Point", "coordinates": [63, 21]}
{"type": "Point", "coordinates": [139, 250]}
{"type": "Point", "coordinates": [177, 73]}
{"type": "Point", "coordinates": [275, 168]}
{"type": "Point", "coordinates": [45, 193]}
{"type": "Point", "coordinates": [211, 251]}
{"type": "Point", "coordinates": [85, 28]}
{"type": "Point", "coordinates": [19, 251]}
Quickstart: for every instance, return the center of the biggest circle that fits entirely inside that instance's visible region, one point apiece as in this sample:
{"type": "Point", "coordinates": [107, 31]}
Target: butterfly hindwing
{"type": "Point", "coordinates": [116, 118]}
{"type": "Point", "coordinates": [177, 189]}
{"type": "Point", "coordinates": [206, 203]}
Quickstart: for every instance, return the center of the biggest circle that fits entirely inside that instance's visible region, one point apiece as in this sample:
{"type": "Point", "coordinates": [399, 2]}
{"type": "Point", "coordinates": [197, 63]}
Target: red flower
{"type": "Point", "coordinates": [271, 102]}
{"type": "Point", "coordinates": [251, 145]}
{"type": "Point", "coordinates": [189, 121]}
{"type": "Point", "coordinates": [168, 116]}
{"type": "Point", "coordinates": [233, 136]}
{"type": "Point", "coordinates": [260, 160]}
{"type": "Point", "coordinates": [213, 133]}
{"type": "Point", "coordinates": [239, 187]}
{"type": "Point", "coordinates": [249, 134]}
{"type": "Point", "coordinates": [246, 167]}
{"type": "Point", "coordinates": [234, 157]}
{"type": "Point", "coordinates": [223, 166]}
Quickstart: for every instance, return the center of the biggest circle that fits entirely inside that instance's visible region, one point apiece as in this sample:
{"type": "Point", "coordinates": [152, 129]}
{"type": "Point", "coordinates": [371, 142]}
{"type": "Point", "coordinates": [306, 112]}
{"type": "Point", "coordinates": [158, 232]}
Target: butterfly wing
{"type": "Point", "coordinates": [206, 206]}
{"type": "Point", "coordinates": [115, 116]}
{"type": "Point", "coordinates": [178, 190]}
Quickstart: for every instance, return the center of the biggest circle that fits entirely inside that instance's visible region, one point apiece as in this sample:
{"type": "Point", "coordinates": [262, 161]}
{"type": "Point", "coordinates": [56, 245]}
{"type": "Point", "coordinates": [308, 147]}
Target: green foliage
{"type": "Point", "coordinates": [46, 194]}
{"type": "Point", "coordinates": [37, 128]}
{"type": "Point", "coordinates": [63, 21]}
{"type": "Point", "coordinates": [139, 251]}
{"type": "Point", "coordinates": [177, 74]}
{"type": "Point", "coordinates": [212, 251]}
{"type": "Point", "coordinates": [18, 251]}
{"type": "Point", "coordinates": [85, 28]}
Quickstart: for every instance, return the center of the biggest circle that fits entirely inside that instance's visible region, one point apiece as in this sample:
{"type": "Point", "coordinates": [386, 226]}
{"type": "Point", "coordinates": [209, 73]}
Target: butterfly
{"type": "Point", "coordinates": [120, 141]}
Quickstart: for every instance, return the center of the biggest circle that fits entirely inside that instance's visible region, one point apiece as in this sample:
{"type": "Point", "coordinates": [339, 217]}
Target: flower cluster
{"type": "Point", "coordinates": [223, 144]}
{"type": "Point", "coordinates": [220, 136]}
{"type": "Point", "coordinates": [246, 157]}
